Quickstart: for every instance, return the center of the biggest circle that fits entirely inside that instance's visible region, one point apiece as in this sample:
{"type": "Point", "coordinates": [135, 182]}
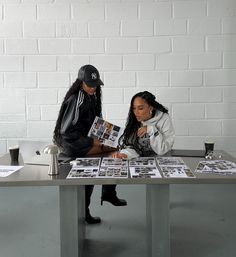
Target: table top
{"type": "Point", "coordinates": [36, 175]}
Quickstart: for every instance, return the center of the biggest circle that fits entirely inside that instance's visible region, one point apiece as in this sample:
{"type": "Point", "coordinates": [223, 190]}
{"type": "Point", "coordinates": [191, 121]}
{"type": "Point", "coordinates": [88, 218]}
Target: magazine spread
{"type": "Point", "coordinates": [113, 168]}
{"type": "Point", "coordinates": [106, 132]}
{"type": "Point", "coordinates": [174, 167]}
{"type": "Point", "coordinates": [84, 168]}
{"type": "Point", "coordinates": [143, 167]}
{"type": "Point", "coordinates": [221, 167]}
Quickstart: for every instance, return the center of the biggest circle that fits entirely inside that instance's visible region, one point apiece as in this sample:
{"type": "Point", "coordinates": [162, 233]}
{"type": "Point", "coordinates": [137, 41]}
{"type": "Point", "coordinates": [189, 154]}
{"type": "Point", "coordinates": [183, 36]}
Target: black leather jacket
{"type": "Point", "coordinates": [79, 114]}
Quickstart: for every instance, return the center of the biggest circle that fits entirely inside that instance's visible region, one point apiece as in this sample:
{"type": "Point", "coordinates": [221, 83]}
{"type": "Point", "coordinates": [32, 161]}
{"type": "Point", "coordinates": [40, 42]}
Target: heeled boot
{"type": "Point", "coordinates": [113, 199]}
{"type": "Point", "coordinates": [90, 219]}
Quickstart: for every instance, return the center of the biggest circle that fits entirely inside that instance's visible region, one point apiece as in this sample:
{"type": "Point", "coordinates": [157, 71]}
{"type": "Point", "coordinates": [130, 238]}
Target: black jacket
{"type": "Point", "coordinates": [79, 114]}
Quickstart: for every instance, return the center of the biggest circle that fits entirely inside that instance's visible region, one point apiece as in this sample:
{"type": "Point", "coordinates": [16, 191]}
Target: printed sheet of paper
{"type": "Point", "coordinates": [222, 167]}
{"type": "Point", "coordinates": [144, 167]}
{"type": "Point", "coordinates": [113, 168]}
{"type": "Point", "coordinates": [174, 167]}
{"type": "Point", "coordinates": [106, 132]}
{"type": "Point", "coordinates": [8, 170]}
{"type": "Point", "coordinates": [144, 172]}
{"type": "Point", "coordinates": [113, 172]}
{"type": "Point", "coordinates": [143, 161]}
{"type": "Point", "coordinates": [84, 168]}
{"type": "Point", "coordinates": [176, 172]}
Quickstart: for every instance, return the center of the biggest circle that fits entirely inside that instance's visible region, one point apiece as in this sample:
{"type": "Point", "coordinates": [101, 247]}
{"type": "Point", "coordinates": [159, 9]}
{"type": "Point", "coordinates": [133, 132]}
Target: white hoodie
{"type": "Point", "coordinates": [159, 138]}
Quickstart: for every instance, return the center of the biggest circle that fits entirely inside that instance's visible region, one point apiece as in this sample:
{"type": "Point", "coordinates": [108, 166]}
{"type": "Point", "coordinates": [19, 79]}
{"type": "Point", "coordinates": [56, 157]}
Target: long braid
{"type": "Point", "coordinates": [72, 90]}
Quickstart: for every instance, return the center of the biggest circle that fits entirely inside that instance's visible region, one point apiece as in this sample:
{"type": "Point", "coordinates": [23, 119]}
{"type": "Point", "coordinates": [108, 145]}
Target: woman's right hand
{"type": "Point", "coordinates": [119, 155]}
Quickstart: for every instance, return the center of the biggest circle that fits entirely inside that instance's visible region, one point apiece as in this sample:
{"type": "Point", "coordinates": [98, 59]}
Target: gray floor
{"type": "Point", "coordinates": [202, 222]}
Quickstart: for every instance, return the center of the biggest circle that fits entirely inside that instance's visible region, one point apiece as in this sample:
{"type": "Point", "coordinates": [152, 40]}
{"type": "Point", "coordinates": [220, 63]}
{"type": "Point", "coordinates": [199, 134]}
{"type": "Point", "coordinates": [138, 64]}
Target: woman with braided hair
{"type": "Point", "coordinates": [82, 103]}
{"type": "Point", "coordinates": [148, 131]}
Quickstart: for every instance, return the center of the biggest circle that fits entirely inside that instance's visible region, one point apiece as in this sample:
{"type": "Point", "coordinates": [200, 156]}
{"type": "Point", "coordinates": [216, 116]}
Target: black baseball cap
{"type": "Point", "coordinates": [90, 75]}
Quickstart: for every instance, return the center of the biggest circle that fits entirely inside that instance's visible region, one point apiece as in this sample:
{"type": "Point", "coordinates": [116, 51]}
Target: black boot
{"type": "Point", "coordinates": [90, 219]}
{"type": "Point", "coordinates": [113, 199]}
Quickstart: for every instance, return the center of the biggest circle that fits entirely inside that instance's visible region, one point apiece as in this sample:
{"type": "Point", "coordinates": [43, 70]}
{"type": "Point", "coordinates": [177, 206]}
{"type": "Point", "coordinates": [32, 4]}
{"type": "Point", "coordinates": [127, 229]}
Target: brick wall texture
{"type": "Point", "coordinates": [182, 51]}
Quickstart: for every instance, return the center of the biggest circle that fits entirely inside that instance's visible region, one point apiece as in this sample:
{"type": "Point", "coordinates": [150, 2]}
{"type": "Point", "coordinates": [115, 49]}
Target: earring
{"type": "Point", "coordinates": [150, 112]}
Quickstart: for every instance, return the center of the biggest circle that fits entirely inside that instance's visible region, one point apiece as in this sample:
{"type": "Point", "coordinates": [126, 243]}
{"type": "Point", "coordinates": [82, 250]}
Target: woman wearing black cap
{"type": "Point", "coordinates": [82, 103]}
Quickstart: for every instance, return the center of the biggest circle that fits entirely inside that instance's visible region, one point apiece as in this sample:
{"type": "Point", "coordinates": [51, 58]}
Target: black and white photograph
{"type": "Point", "coordinates": [176, 172]}
{"type": "Point", "coordinates": [143, 161]}
{"type": "Point", "coordinates": [113, 172]}
{"type": "Point", "coordinates": [86, 162]}
{"type": "Point", "coordinates": [144, 172]}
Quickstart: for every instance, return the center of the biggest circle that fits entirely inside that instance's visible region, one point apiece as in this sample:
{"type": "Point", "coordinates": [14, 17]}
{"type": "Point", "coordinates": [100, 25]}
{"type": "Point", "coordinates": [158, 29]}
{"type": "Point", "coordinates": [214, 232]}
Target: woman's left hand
{"type": "Point", "coordinates": [142, 131]}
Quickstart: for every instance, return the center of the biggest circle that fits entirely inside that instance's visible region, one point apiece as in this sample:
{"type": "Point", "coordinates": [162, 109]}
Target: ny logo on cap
{"type": "Point", "coordinates": [94, 75]}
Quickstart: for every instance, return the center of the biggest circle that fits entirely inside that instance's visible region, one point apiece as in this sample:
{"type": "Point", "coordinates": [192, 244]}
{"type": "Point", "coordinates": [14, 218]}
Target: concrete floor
{"type": "Point", "coordinates": [202, 222]}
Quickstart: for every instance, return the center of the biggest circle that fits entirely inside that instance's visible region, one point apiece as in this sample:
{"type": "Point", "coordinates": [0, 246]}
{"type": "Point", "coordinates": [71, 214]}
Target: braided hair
{"type": "Point", "coordinates": [74, 90]}
{"type": "Point", "coordinates": [129, 137]}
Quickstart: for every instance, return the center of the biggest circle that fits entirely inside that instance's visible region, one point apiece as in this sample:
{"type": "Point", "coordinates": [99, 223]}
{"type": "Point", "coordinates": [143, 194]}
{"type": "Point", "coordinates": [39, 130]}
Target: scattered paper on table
{"type": "Point", "coordinates": [8, 170]}
{"type": "Point", "coordinates": [222, 167]}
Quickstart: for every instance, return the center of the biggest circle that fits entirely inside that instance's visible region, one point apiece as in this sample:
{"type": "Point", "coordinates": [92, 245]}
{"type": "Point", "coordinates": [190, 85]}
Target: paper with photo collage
{"type": "Point", "coordinates": [113, 168]}
{"type": "Point", "coordinates": [143, 167]}
{"type": "Point", "coordinates": [84, 168]}
{"type": "Point", "coordinates": [106, 132]}
{"type": "Point", "coordinates": [174, 167]}
{"type": "Point", "coordinates": [221, 167]}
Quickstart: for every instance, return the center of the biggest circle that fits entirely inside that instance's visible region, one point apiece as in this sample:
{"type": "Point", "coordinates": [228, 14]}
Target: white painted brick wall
{"type": "Point", "coordinates": [137, 28]}
{"type": "Point", "coordinates": [184, 9]}
{"type": "Point", "coordinates": [86, 11]}
{"type": "Point", "coordinates": [88, 46]}
{"type": "Point", "coordinates": [206, 95]}
{"type": "Point", "coordinates": [170, 27]}
{"type": "Point", "coordinates": [172, 62]}
{"type": "Point", "coordinates": [104, 29]}
{"type": "Point", "coordinates": [10, 29]}
{"type": "Point", "coordinates": [54, 46]}
{"type": "Point", "coordinates": [218, 8]}
{"type": "Point", "coordinates": [139, 62]}
{"type": "Point", "coordinates": [121, 45]}
{"type": "Point", "coordinates": [53, 11]}
{"type": "Point", "coordinates": [119, 11]}
{"type": "Point", "coordinates": [11, 63]}
{"type": "Point", "coordinates": [119, 79]}
{"type": "Point", "coordinates": [229, 26]}
{"type": "Point", "coordinates": [40, 63]}
{"type": "Point", "coordinates": [205, 61]}
{"type": "Point", "coordinates": [53, 79]}
{"type": "Point", "coordinates": [19, 12]}
{"type": "Point", "coordinates": [39, 29]}
{"type": "Point", "coordinates": [188, 44]}
{"type": "Point", "coordinates": [186, 78]}
{"type": "Point", "coordinates": [220, 77]}
{"type": "Point", "coordinates": [184, 52]}
{"type": "Point", "coordinates": [21, 46]}
{"type": "Point", "coordinates": [22, 80]}
{"type": "Point", "coordinates": [229, 60]}
{"type": "Point", "coordinates": [205, 26]}
{"type": "Point", "coordinates": [155, 11]}
{"type": "Point", "coordinates": [71, 63]}
{"type": "Point", "coordinates": [154, 45]}
{"type": "Point", "coordinates": [152, 78]}
{"type": "Point", "coordinates": [71, 29]}
{"type": "Point", "coordinates": [49, 112]}
{"type": "Point", "coordinates": [188, 111]}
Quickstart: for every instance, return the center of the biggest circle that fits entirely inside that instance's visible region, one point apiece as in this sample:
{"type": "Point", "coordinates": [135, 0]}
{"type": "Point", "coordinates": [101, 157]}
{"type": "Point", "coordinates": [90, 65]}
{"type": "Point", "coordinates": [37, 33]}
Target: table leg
{"type": "Point", "coordinates": [72, 227]}
{"type": "Point", "coordinates": [158, 225]}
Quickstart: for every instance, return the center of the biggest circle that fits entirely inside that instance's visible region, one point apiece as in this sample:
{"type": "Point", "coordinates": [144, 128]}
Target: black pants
{"type": "Point", "coordinates": [106, 189]}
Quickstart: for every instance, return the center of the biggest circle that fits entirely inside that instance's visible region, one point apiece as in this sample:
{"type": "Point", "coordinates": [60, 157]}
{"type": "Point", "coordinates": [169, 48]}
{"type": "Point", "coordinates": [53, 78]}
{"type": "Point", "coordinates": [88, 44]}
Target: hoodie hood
{"type": "Point", "coordinates": [153, 120]}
